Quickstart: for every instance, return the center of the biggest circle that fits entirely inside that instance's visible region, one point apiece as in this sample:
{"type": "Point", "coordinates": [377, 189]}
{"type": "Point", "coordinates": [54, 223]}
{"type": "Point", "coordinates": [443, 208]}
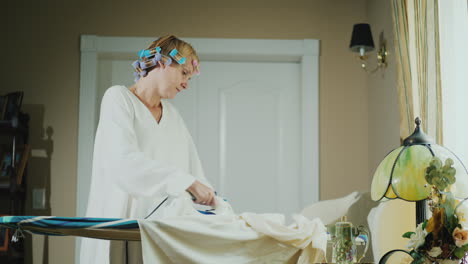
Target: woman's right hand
{"type": "Point", "coordinates": [202, 193]}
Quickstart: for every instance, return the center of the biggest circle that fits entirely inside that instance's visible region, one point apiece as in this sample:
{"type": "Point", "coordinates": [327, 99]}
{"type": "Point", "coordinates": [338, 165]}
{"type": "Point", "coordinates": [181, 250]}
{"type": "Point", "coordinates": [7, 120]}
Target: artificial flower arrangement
{"type": "Point", "coordinates": [441, 238]}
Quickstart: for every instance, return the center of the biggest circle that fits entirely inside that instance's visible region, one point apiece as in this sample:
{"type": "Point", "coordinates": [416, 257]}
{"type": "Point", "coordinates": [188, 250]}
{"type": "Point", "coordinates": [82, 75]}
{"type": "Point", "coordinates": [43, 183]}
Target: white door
{"type": "Point", "coordinates": [246, 122]}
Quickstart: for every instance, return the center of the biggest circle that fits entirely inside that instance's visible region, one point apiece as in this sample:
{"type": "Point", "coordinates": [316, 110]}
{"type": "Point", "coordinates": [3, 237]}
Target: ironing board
{"type": "Point", "coordinates": [102, 228]}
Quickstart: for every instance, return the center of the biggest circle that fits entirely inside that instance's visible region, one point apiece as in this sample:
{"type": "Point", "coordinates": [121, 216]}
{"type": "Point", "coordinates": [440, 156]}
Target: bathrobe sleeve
{"type": "Point", "coordinates": [121, 159]}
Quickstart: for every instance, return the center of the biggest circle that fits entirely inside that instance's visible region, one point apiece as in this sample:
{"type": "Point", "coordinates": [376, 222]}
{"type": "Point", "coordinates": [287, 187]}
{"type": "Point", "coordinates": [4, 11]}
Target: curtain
{"type": "Point", "coordinates": [416, 31]}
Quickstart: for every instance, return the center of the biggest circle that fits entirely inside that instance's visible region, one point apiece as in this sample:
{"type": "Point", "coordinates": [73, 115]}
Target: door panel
{"type": "Point", "coordinates": [248, 132]}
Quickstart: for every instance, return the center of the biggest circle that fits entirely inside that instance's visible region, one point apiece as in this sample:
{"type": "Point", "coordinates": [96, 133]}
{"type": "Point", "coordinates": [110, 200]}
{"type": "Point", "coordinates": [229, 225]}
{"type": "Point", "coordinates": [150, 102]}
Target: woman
{"type": "Point", "coordinates": [143, 151]}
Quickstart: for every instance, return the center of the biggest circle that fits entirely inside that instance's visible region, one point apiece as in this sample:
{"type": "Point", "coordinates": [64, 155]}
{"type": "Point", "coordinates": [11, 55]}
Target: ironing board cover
{"type": "Point", "coordinates": [102, 228]}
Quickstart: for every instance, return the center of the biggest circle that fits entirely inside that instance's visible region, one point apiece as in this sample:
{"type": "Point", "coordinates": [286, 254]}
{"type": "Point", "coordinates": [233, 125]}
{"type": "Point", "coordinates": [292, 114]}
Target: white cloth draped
{"type": "Point", "coordinates": [180, 234]}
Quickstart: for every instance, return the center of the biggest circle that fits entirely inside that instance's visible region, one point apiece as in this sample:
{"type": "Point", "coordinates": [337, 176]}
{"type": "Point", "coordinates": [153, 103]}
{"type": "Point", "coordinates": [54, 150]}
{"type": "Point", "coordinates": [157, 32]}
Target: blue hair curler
{"type": "Point", "coordinates": [149, 52]}
{"type": "Point", "coordinates": [144, 53]}
{"type": "Point", "coordinates": [153, 52]}
{"type": "Point", "coordinates": [173, 52]}
{"type": "Point", "coordinates": [176, 56]}
{"type": "Point", "coordinates": [149, 58]}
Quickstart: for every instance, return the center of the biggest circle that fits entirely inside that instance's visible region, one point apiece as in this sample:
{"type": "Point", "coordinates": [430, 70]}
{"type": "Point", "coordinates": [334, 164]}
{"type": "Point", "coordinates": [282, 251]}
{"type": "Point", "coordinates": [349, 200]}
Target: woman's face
{"type": "Point", "coordinates": [172, 79]}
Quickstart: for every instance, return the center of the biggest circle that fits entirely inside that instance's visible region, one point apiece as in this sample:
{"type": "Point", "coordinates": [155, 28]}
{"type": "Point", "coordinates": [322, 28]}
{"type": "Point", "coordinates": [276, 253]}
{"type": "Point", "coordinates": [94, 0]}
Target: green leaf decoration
{"type": "Point", "coordinates": [449, 162]}
{"type": "Point", "coordinates": [440, 175]}
{"type": "Point", "coordinates": [408, 234]}
{"type": "Point", "coordinates": [424, 224]}
{"type": "Point", "coordinates": [460, 252]}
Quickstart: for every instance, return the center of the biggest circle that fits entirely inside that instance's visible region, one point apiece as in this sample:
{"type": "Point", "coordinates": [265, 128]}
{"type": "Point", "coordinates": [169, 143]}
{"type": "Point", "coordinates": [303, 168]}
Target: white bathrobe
{"type": "Point", "coordinates": [137, 162]}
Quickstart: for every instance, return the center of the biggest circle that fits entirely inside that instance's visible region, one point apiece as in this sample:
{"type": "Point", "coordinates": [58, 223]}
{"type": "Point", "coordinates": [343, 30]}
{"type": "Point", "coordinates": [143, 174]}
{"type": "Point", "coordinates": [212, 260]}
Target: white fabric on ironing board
{"type": "Point", "coordinates": [330, 211]}
{"type": "Point", "coordinates": [180, 234]}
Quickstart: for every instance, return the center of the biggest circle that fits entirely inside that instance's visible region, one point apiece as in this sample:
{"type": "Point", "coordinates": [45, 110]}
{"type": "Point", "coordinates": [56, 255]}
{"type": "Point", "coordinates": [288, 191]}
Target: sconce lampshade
{"type": "Point", "coordinates": [361, 38]}
{"type": "Point", "coordinates": [401, 174]}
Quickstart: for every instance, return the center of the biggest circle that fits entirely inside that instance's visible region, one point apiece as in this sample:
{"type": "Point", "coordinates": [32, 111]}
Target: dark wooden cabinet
{"type": "Point", "coordinates": [15, 152]}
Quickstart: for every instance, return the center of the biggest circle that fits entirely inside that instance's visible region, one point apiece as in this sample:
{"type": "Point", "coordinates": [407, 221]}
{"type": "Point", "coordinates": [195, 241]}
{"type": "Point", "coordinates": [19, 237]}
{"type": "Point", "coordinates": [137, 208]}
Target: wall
{"type": "Point", "coordinates": [41, 55]}
{"type": "Point", "coordinates": [384, 120]}
{"type": "Point", "coordinates": [384, 133]}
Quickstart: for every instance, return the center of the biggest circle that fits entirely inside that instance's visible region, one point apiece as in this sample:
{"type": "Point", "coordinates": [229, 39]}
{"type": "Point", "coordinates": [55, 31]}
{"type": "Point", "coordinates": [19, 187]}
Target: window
{"type": "Point", "coordinates": [453, 32]}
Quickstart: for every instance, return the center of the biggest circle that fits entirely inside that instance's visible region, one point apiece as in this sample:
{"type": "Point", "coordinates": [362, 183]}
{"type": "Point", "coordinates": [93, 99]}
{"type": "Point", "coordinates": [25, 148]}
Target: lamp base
{"type": "Point", "coordinates": [420, 211]}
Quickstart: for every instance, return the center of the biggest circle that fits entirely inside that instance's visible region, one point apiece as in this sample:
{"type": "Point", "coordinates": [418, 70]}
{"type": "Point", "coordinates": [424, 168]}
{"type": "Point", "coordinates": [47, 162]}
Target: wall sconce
{"type": "Point", "coordinates": [362, 42]}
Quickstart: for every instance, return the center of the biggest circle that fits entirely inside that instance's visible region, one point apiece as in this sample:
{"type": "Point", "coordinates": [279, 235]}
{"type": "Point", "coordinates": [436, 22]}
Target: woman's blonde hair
{"type": "Point", "coordinates": [169, 42]}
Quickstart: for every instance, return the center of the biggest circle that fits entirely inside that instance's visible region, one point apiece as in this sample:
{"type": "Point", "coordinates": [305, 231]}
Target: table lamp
{"type": "Point", "coordinates": [401, 174]}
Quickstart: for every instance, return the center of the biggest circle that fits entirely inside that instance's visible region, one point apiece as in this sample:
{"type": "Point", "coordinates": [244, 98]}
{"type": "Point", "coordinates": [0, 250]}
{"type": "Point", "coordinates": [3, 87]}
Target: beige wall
{"type": "Point", "coordinates": [41, 51]}
{"type": "Point", "coordinates": [384, 133]}
{"type": "Point", "coordinates": [384, 120]}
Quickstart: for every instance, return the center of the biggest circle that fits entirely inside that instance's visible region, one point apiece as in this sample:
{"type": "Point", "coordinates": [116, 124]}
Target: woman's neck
{"type": "Point", "coordinates": [149, 97]}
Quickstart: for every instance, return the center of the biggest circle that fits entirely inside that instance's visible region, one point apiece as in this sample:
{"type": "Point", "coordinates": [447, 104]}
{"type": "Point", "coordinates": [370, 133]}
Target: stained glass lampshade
{"type": "Point", "coordinates": [401, 174]}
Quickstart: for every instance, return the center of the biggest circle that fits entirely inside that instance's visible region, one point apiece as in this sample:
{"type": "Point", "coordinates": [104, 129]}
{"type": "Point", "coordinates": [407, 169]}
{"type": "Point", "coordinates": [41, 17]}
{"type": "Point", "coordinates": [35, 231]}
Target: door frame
{"type": "Point", "coordinates": [306, 52]}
